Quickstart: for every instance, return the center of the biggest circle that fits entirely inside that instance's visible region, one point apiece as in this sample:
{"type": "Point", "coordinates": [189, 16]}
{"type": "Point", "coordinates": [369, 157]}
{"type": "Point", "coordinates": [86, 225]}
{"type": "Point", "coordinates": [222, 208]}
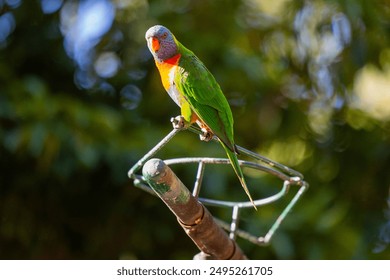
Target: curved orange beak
{"type": "Point", "coordinates": [155, 44]}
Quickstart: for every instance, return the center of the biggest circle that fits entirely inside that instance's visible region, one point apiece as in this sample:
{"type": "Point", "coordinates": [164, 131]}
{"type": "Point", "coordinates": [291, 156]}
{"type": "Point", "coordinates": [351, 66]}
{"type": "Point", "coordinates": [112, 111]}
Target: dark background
{"type": "Point", "coordinates": [81, 102]}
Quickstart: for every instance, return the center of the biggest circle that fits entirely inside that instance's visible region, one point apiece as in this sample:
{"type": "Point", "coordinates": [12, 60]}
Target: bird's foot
{"type": "Point", "coordinates": [179, 122]}
{"type": "Point", "coordinates": [206, 135]}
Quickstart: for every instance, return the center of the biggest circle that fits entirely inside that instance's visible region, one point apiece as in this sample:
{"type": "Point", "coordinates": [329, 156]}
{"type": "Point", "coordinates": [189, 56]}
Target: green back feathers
{"type": "Point", "coordinates": [202, 92]}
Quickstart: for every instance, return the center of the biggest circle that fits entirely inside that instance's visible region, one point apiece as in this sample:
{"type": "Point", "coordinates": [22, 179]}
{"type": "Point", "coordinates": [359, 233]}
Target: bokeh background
{"type": "Point", "coordinates": [81, 102]}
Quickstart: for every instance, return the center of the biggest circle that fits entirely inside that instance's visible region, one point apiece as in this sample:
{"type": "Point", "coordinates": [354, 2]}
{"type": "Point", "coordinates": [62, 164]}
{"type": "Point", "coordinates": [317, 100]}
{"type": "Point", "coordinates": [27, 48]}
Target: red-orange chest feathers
{"type": "Point", "coordinates": [167, 69]}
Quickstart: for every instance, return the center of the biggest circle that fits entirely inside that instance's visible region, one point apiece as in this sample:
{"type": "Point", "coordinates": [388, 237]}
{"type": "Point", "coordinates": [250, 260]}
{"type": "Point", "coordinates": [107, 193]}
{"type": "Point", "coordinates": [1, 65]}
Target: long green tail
{"type": "Point", "coordinates": [237, 169]}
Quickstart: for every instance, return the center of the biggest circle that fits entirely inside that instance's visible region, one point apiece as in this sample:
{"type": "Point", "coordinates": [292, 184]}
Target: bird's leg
{"type": "Point", "coordinates": [179, 122]}
{"type": "Point", "coordinates": [207, 134]}
{"type": "Point", "coordinates": [185, 119]}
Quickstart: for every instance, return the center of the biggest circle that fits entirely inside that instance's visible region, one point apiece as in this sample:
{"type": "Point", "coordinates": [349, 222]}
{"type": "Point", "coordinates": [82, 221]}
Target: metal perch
{"type": "Point", "coordinates": [154, 169]}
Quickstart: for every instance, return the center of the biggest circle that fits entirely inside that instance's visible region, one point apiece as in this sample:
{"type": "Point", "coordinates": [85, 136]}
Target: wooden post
{"type": "Point", "coordinates": [195, 219]}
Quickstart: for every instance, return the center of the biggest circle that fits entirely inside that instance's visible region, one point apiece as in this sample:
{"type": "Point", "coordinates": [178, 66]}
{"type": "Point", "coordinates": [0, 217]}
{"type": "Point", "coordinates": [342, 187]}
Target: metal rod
{"type": "Point", "coordinates": [266, 239]}
{"type": "Point", "coordinates": [257, 156]}
{"type": "Point", "coordinates": [152, 152]}
{"type": "Point", "coordinates": [257, 202]}
{"type": "Point", "coordinates": [198, 179]}
{"type": "Point", "coordinates": [234, 223]}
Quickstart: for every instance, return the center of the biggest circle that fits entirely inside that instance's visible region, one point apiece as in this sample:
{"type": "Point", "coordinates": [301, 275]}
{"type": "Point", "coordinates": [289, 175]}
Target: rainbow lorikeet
{"type": "Point", "coordinates": [194, 89]}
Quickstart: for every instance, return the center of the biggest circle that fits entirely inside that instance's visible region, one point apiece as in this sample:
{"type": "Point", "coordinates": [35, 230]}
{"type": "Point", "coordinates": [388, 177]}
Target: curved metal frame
{"type": "Point", "coordinates": [287, 175]}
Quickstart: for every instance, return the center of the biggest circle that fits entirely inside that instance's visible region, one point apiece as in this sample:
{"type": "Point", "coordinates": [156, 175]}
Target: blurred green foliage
{"type": "Point", "coordinates": [308, 86]}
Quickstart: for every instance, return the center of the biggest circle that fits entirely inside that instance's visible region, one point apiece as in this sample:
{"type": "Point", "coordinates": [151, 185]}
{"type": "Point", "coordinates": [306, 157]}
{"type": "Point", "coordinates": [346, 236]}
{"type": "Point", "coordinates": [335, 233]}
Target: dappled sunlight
{"type": "Point", "coordinates": [7, 20]}
{"type": "Point", "coordinates": [107, 64]}
{"type": "Point", "coordinates": [372, 88]}
{"type": "Point", "coordinates": [291, 151]}
{"type": "Point", "coordinates": [322, 34]}
{"type": "Point", "coordinates": [83, 24]}
{"type": "Point", "coordinates": [130, 97]}
{"type": "Point", "coordinates": [315, 42]}
{"type": "Point", "coordinates": [51, 6]}
{"type": "Point", "coordinates": [320, 116]}
{"type": "Point", "coordinates": [92, 41]}
{"type": "Point", "coordinates": [7, 25]}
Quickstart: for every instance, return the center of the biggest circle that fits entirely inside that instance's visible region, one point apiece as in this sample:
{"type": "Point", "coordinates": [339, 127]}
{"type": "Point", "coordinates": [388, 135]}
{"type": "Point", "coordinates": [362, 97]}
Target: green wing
{"type": "Point", "coordinates": [205, 97]}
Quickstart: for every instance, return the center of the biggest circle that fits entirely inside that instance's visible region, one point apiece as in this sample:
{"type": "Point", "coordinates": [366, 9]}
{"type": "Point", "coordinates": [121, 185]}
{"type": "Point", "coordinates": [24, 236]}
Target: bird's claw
{"type": "Point", "coordinates": [178, 122]}
{"type": "Point", "coordinates": [206, 135]}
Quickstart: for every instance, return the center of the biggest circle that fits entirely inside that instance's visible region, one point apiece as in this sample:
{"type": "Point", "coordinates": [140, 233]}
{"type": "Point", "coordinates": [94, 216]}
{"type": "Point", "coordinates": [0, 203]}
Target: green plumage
{"type": "Point", "coordinates": [205, 98]}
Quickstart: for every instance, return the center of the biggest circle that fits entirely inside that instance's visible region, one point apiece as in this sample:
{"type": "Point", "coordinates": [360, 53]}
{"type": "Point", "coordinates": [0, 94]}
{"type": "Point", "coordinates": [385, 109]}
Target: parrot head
{"type": "Point", "coordinates": [161, 42]}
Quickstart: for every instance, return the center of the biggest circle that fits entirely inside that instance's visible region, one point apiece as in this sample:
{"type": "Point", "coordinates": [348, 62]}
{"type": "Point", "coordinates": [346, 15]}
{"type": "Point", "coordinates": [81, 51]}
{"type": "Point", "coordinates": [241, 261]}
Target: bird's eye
{"type": "Point", "coordinates": [165, 35]}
